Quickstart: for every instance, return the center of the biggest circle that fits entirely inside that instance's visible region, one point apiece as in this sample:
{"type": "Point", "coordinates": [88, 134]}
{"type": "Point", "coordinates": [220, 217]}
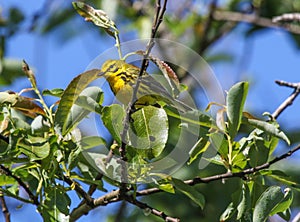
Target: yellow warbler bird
{"type": "Point", "coordinates": [122, 76]}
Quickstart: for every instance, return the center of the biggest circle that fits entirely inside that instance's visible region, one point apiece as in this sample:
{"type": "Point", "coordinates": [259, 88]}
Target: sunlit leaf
{"type": "Point", "coordinates": [57, 92]}
{"type": "Point", "coordinates": [199, 148]}
{"type": "Point", "coordinates": [98, 17]}
{"type": "Point", "coordinates": [91, 141]}
{"type": "Point", "coordinates": [88, 101]}
{"type": "Point", "coordinates": [35, 148]}
{"type": "Point", "coordinates": [167, 187]}
{"type": "Point", "coordinates": [268, 128]}
{"type": "Point", "coordinates": [149, 131]}
{"type": "Point", "coordinates": [113, 117]}
{"type": "Point", "coordinates": [69, 97]}
{"type": "Point", "coordinates": [235, 104]}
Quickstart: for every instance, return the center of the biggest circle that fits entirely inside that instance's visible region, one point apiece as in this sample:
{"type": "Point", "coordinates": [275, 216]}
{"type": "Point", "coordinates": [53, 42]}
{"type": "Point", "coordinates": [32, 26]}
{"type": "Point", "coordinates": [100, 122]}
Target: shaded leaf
{"type": "Point", "coordinates": [264, 206]}
{"type": "Point", "coordinates": [190, 192]}
{"type": "Point", "coordinates": [228, 213]}
{"type": "Point", "coordinates": [244, 205]}
{"type": "Point", "coordinates": [285, 202]}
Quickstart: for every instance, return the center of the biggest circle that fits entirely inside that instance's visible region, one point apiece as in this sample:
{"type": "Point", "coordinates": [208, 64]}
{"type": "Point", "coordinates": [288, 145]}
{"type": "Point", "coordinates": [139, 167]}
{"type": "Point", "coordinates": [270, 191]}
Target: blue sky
{"type": "Point", "coordinates": [268, 57]}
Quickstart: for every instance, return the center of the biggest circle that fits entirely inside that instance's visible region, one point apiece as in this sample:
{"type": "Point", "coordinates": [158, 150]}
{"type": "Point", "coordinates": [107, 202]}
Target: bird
{"type": "Point", "coordinates": [122, 77]}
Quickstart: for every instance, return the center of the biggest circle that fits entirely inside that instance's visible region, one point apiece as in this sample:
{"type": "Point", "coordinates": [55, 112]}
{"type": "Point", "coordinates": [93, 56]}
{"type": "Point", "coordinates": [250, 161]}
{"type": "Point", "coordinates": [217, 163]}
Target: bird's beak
{"type": "Point", "coordinates": [101, 74]}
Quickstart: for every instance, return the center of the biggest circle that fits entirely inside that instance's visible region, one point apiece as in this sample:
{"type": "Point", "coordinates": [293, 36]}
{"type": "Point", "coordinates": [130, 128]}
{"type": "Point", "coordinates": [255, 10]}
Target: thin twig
{"type": "Point", "coordinates": [99, 176]}
{"type": "Point", "coordinates": [150, 209]}
{"type": "Point", "coordinates": [114, 196]}
{"type": "Point", "coordinates": [253, 19]}
{"type": "Point", "coordinates": [289, 101]}
{"type": "Point", "coordinates": [157, 21]}
{"type": "Point", "coordinates": [22, 184]}
{"type": "Point", "coordinates": [4, 207]}
{"type": "Point", "coordinates": [227, 175]}
{"type": "Point", "coordinates": [89, 200]}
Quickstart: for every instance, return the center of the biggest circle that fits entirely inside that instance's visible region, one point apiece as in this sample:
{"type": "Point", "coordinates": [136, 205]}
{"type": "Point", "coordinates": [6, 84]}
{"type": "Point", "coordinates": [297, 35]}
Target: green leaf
{"type": "Point", "coordinates": [92, 141]}
{"type": "Point", "coordinates": [266, 203]}
{"type": "Point", "coordinates": [286, 215]}
{"type": "Point", "coordinates": [88, 101]}
{"type": "Point", "coordinates": [40, 125]}
{"type": "Point", "coordinates": [258, 153]}
{"type": "Point", "coordinates": [168, 187]}
{"type": "Point", "coordinates": [270, 128]}
{"type": "Point", "coordinates": [285, 202]}
{"type": "Point", "coordinates": [35, 148]}
{"type": "Point", "coordinates": [69, 97]}
{"type": "Point", "coordinates": [280, 176]}
{"type": "Point", "coordinates": [244, 206]}
{"type": "Point", "coordinates": [228, 213]}
{"type": "Point", "coordinates": [99, 161]}
{"type": "Point", "coordinates": [148, 133]}
{"type": "Point", "coordinates": [235, 104]}
{"type": "Point", "coordinates": [112, 117]}
{"type": "Point", "coordinates": [57, 199]}
{"type": "Point", "coordinates": [98, 17]}
{"type": "Point", "coordinates": [6, 180]}
{"type": "Point", "coordinates": [199, 148]}
{"type": "Point", "coordinates": [190, 192]}
{"type": "Point", "coordinates": [57, 92]}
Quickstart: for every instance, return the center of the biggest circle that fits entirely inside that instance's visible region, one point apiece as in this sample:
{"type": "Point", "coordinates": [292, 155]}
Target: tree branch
{"type": "Point", "coordinates": [83, 209]}
{"type": "Point", "coordinates": [89, 200]}
{"type": "Point", "coordinates": [115, 196]}
{"type": "Point", "coordinates": [242, 174]}
{"type": "Point", "coordinates": [151, 210]}
{"type": "Point", "coordinates": [287, 17]}
{"type": "Point", "coordinates": [145, 62]}
{"type": "Point", "coordinates": [22, 184]}
{"type": "Point", "coordinates": [5, 210]}
{"type": "Point", "coordinates": [289, 101]}
{"type": "Point", "coordinates": [253, 19]}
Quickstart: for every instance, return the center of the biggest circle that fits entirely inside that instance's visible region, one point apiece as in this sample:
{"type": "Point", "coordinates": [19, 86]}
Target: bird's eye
{"type": "Point", "coordinates": [112, 68]}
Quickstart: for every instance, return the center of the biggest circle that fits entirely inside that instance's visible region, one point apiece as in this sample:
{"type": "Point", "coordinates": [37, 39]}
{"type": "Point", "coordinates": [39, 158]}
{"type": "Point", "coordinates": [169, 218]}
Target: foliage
{"type": "Point", "coordinates": [45, 154]}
